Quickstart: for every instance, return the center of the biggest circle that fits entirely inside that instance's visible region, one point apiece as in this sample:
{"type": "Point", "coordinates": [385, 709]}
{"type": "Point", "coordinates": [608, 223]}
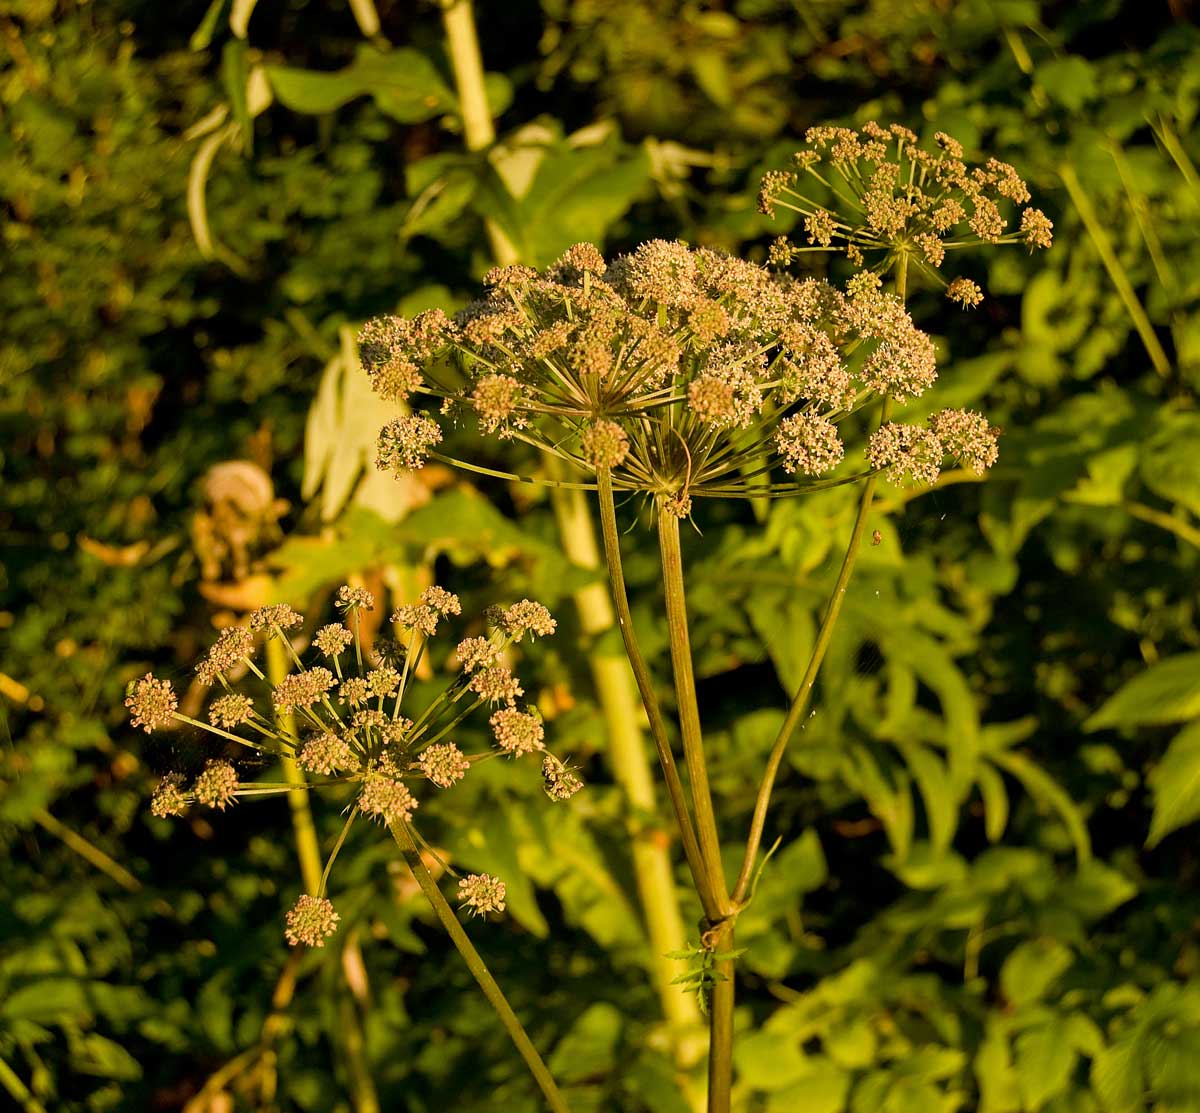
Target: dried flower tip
{"type": "Point", "coordinates": [152, 703]}
{"type": "Point", "coordinates": [231, 710]}
{"type": "Point", "coordinates": [276, 616]}
{"type": "Point", "coordinates": [353, 691]}
{"type": "Point", "coordinates": [405, 443]}
{"type": "Point", "coordinates": [809, 444]}
{"type": "Point", "coordinates": [311, 921]}
{"type": "Point", "coordinates": [517, 732]}
{"type": "Point", "coordinates": [604, 444]}
{"type": "Point", "coordinates": [906, 451]}
{"type": "Point", "coordinates": [558, 780]}
{"type": "Point", "coordinates": [354, 598]}
{"type": "Point", "coordinates": [1036, 228]}
{"type": "Point", "coordinates": [528, 617]}
{"type": "Point", "coordinates": [386, 798]}
{"type": "Point", "coordinates": [326, 754]}
{"type": "Point", "coordinates": [965, 292]}
{"type": "Point", "coordinates": [496, 398]}
{"type": "Point", "coordinates": [515, 275]}
{"type": "Point", "coordinates": [216, 785]}
{"type": "Point", "coordinates": [303, 689]}
{"type": "Point", "coordinates": [474, 653]}
{"type": "Point", "coordinates": [443, 601]}
{"type": "Point", "coordinates": [333, 639]}
{"type": "Point", "coordinates": [967, 437]}
{"type": "Point", "coordinates": [679, 504]}
{"type": "Point", "coordinates": [167, 798]}
{"type": "Point", "coordinates": [233, 645]}
{"type": "Point", "coordinates": [481, 893]}
{"type": "Point", "coordinates": [444, 764]}
{"type": "Point", "coordinates": [496, 684]}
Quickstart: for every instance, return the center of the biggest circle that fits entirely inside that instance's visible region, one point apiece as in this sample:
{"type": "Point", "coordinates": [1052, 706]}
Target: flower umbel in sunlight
{"type": "Point", "coordinates": [680, 372]}
{"type": "Point", "coordinates": [877, 192]}
{"type": "Point", "coordinates": [351, 735]}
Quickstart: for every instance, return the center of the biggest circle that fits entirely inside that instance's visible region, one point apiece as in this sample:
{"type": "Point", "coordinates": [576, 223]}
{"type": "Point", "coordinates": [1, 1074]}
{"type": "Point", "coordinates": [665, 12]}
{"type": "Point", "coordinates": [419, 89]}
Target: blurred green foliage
{"type": "Point", "coordinates": [983, 900]}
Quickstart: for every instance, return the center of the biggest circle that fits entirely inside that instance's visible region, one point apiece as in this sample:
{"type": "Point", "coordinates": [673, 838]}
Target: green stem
{"type": "Point", "coordinates": [86, 850]}
{"type": "Point", "coordinates": [475, 963]}
{"type": "Point", "coordinates": [479, 133]}
{"type": "Point", "coordinates": [18, 1091]}
{"type": "Point", "coordinates": [803, 694]}
{"type": "Point", "coordinates": [618, 700]}
{"type": "Point", "coordinates": [645, 684]}
{"type": "Point", "coordinates": [308, 850]}
{"type": "Point", "coordinates": [1120, 279]}
{"type": "Point", "coordinates": [719, 936]}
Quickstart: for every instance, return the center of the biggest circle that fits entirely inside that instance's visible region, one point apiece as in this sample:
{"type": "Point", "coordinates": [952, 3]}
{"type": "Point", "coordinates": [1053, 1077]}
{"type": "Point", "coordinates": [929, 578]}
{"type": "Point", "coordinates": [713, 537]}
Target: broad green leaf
{"type": "Point", "coordinates": [1044, 1060]}
{"type": "Point", "coordinates": [1166, 692]}
{"type": "Point", "coordinates": [1175, 783]}
{"type": "Point", "coordinates": [1031, 969]}
{"type": "Point", "coordinates": [94, 1054]}
{"type": "Point", "coordinates": [404, 83]}
{"type": "Point", "coordinates": [590, 1047]}
{"type": "Point", "coordinates": [998, 1089]}
{"type": "Point", "coordinates": [822, 1089]}
{"type": "Point", "coordinates": [1170, 459]}
{"type": "Point", "coordinates": [1070, 81]}
{"type": "Point", "coordinates": [1117, 1076]}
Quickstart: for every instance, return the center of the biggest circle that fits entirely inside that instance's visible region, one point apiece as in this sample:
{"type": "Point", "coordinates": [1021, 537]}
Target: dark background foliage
{"type": "Point", "coordinates": [985, 897]}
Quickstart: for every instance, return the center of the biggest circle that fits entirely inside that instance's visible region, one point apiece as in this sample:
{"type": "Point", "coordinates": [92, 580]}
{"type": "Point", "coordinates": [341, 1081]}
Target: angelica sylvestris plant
{"type": "Point", "coordinates": [678, 373]}
{"type": "Point", "coordinates": [355, 741]}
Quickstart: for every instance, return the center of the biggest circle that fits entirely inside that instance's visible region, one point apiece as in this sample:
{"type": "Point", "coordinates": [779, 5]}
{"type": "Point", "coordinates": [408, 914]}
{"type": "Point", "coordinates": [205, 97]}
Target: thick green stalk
{"type": "Point", "coordinates": [719, 937]}
{"type": "Point", "coordinates": [645, 683]}
{"type": "Point", "coordinates": [650, 848]}
{"type": "Point", "coordinates": [308, 850]}
{"type": "Point", "coordinates": [478, 968]}
{"type": "Point", "coordinates": [652, 862]}
{"type": "Point", "coordinates": [462, 44]}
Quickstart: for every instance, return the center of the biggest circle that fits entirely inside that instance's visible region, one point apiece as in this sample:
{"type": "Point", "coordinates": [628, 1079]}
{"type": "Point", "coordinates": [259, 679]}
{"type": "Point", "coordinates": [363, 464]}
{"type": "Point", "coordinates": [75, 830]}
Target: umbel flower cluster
{"type": "Point", "coordinates": [679, 372]}
{"type": "Point", "coordinates": [341, 718]}
{"type": "Point", "coordinates": [876, 192]}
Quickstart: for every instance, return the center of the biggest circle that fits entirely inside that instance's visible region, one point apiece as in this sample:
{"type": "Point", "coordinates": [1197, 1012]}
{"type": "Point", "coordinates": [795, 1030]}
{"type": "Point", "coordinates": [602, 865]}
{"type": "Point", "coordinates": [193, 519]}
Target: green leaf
{"type": "Point", "coordinates": [1070, 82]}
{"type": "Point", "coordinates": [1044, 1059]}
{"type": "Point", "coordinates": [589, 1048]}
{"type": "Point", "coordinates": [1117, 1076]}
{"type": "Point", "coordinates": [1032, 968]}
{"type": "Point", "coordinates": [1050, 795]}
{"type": "Point", "coordinates": [1170, 459]}
{"type": "Point", "coordinates": [998, 1089]}
{"type": "Point", "coordinates": [404, 83]}
{"type": "Point", "coordinates": [1167, 692]}
{"type": "Point", "coordinates": [1175, 784]}
{"type": "Point", "coordinates": [937, 793]}
{"type": "Point", "coordinates": [995, 802]}
{"type": "Point", "coordinates": [94, 1054]}
{"type": "Point", "coordinates": [234, 74]}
